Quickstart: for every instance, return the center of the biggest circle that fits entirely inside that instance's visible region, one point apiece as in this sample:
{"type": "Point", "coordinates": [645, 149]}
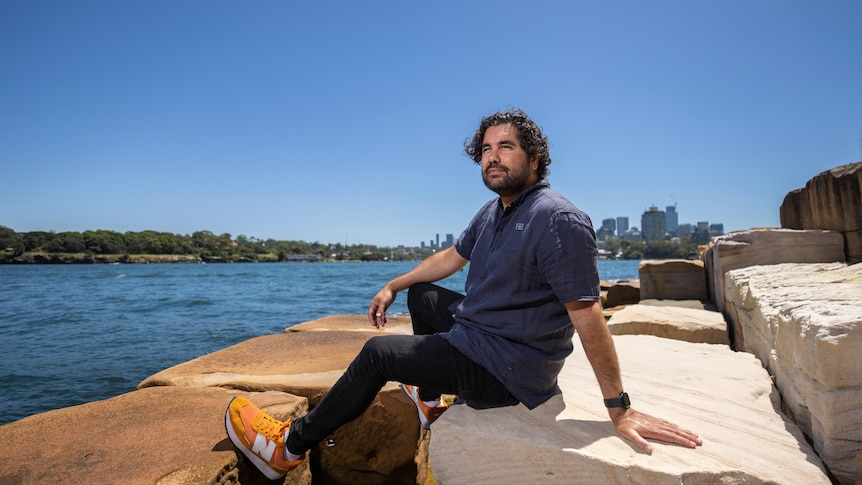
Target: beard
{"type": "Point", "coordinates": [513, 181]}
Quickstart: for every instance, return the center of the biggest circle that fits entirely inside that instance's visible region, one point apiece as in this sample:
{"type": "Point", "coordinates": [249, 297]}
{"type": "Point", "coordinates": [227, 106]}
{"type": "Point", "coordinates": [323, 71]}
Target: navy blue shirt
{"type": "Point", "coordinates": [526, 262]}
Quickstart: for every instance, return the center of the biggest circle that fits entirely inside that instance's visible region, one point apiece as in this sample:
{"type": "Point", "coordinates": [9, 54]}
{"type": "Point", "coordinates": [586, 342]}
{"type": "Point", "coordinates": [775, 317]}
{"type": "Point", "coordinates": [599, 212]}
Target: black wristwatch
{"type": "Point", "coordinates": [619, 402]}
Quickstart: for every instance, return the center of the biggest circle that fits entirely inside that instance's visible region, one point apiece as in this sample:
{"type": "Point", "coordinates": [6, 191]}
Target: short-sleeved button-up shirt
{"type": "Point", "coordinates": [526, 262]}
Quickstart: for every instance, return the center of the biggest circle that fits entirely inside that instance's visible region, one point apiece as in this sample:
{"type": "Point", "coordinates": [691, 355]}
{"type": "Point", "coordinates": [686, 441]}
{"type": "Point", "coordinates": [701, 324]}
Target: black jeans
{"type": "Point", "coordinates": [424, 359]}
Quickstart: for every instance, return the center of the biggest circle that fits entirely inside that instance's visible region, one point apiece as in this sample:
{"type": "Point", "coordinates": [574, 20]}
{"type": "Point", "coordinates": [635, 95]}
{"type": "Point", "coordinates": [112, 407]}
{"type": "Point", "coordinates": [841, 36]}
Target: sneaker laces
{"type": "Point", "coordinates": [269, 426]}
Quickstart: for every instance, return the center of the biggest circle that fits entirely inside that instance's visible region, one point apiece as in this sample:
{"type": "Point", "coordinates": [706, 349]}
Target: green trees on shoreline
{"type": "Point", "coordinates": [104, 246]}
{"type": "Point", "coordinates": [684, 248]}
{"type": "Point", "coordinates": [152, 246]}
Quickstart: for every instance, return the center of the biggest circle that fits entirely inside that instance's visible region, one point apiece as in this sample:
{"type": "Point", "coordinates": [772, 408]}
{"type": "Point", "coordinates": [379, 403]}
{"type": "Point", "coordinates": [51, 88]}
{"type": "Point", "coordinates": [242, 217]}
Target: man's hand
{"type": "Point", "coordinates": [379, 304]}
{"type": "Point", "coordinates": [636, 426]}
{"type": "Point", "coordinates": [438, 266]}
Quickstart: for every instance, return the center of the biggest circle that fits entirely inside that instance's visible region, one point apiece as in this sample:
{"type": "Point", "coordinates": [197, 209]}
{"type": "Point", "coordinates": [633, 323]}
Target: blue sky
{"type": "Point", "coordinates": [345, 121]}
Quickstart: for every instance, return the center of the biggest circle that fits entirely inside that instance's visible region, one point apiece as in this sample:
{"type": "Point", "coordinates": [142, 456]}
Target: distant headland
{"type": "Point", "coordinates": [110, 247]}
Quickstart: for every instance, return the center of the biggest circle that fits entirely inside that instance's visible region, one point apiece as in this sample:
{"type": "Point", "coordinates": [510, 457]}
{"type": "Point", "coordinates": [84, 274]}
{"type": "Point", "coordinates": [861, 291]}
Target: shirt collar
{"type": "Point", "coordinates": [543, 183]}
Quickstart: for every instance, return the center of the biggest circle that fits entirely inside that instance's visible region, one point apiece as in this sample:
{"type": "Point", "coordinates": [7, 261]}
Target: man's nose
{"type": "Point", "coordinates": [492, 155]}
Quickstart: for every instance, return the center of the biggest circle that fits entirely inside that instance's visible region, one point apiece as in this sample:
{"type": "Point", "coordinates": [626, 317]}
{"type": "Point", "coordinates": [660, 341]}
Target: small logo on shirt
{"type": "Point", "coordinates": [519, 226]}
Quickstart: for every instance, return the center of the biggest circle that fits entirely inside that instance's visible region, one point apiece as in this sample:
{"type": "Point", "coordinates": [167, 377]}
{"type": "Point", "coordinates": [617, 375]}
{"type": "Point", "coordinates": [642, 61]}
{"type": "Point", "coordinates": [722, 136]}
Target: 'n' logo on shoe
{"type": "Point", "coordinates": [263, 447]}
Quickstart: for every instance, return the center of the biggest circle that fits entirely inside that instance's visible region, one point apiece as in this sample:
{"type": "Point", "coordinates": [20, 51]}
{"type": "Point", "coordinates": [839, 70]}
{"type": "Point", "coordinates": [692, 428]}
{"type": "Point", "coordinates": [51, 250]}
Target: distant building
{"type": "Point", "coordinates": [701, 234]}
{"type": "Point", "coordinates": [716, 229]}
{"type": "Point", "coordinates": [671, 220]}
{"type": "Point", "coordinates": [609, 227]}
{"type": "Point", "coordinates": [684, 229]}
{"type": "Point", "coordinates": [622, 225]}
{"type": "Point", "coordinates": [632, 234]}
{"type": "Point", "coordinates": [653, 224]}
{"type": "Point", "coordinates": [449, 242]}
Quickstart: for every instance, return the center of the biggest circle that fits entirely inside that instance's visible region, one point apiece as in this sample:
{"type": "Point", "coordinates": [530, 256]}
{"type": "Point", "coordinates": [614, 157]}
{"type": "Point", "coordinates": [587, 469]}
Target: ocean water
{"type": "Point", "coordinates": [71, 334]}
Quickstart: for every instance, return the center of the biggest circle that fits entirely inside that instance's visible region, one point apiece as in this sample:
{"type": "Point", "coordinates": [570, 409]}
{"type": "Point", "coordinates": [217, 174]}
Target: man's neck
{"type": "Point", "coordinates": [506, 200]}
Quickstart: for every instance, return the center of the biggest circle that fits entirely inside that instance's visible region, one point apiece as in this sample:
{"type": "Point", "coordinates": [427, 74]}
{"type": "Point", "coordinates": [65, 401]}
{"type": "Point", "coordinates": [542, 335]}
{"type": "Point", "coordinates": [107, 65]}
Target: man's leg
{"type": "Point", "coordinates": [424, 361]}
{"type": "Point", "coordinates": [429, 308]}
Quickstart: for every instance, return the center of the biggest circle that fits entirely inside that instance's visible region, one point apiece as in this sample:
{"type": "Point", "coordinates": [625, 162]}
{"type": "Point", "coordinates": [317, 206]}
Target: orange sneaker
{"type": "Point", "coordinates": [259, 436]}
{"type": "Point", "coordinates": [427, 414]}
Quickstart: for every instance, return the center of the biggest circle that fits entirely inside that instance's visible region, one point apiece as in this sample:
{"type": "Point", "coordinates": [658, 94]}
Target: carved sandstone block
{"type": "Point", "coordinates": [768, 246]}
{"type": "Point", "coordinates": [672, 279]}
{"type": "Point", "coordinates": [804, 322]}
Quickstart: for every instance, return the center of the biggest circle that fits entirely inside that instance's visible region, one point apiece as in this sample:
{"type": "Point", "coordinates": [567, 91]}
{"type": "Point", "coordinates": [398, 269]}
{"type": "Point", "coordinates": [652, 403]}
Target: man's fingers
{"type": "Point", "coordinates": [638, 427]}
{"type": "Point", "coordinates": [377, 314]}
{"type": "Point", "coordinates": [639, 441]}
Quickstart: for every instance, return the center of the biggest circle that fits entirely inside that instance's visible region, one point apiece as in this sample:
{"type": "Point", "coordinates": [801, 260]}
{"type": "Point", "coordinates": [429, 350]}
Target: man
{"type": "Point", "coordinates": [533, 281]}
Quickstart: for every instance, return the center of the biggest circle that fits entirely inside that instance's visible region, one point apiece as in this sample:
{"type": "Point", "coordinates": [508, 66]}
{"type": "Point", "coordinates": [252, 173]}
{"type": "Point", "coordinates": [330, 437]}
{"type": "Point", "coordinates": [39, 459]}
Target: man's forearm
{"type": "Point", "coordinates": [435, 268]}
{"type": "Point", "coordinates": [598, 345]}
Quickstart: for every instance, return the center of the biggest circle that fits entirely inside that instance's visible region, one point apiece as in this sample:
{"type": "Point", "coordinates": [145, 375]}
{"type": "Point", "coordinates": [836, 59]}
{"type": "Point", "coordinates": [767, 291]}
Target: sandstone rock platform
{"type": "Point", "coordinates": [726, 397]}
{"type": "Point", "coordinates": [162, 436]}
{"type": "Point", "coordinates": [306, 361]}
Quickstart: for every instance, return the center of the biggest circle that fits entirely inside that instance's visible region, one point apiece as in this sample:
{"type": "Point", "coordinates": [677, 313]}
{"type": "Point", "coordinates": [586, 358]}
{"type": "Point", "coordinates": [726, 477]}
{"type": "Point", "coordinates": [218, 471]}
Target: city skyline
{"type": "Point", "coordinates": [655, 224]}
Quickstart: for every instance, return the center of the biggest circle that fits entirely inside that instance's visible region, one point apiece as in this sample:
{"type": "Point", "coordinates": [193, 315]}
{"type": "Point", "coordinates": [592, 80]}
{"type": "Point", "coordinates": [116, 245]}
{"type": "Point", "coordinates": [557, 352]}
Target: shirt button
{"type": "Point", "coordinates": [509, 368]}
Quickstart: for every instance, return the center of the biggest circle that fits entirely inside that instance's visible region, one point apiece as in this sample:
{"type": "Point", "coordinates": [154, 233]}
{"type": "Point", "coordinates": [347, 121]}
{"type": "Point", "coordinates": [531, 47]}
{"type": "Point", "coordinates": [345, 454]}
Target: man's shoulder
{"type": "Point", "coordinates": [557, 209]}
{"type": "Point", "coordinates": [551, 200]}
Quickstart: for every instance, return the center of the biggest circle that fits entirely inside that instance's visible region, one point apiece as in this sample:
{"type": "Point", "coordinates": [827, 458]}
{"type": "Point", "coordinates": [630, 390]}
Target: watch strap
{"type": "Point", "coordinates": [619, 402]}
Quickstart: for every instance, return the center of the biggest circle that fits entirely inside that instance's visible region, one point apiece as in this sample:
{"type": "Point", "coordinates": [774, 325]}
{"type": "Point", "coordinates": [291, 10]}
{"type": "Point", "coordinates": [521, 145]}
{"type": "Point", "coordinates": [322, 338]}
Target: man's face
{"type": "Point", "coordinates": [506, 167]}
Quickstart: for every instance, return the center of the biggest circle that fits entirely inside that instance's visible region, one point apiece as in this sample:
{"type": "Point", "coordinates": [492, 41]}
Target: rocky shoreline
{"type": "Point", "coordinates": [757, 346]}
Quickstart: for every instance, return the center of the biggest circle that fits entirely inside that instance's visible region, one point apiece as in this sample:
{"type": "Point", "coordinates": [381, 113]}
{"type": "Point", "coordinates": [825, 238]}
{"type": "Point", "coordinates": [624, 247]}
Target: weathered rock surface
{"type": "Point", "coordinates": [672, 279]}
{"type": "Point", "coordinates": [686, 324]}
{"type": "Point", "coordinates": [804, 321]}
{"type": "Point", "coordinates": [624, 292]}
{"type": "Point", "coordinates": [378, 447]}
{"type": "Point", "coordinates": [693, 304]}
{"type": "Point", "coordinates": [397, 325]}
{"type": "Point", "coordinates": [767, 246]}
{"type": "Point", "coordinates": [831, 200]}
{"type": "Point", "coordinates": [726, 397]}
{"type": "Point", "coordinates": [163, 436]}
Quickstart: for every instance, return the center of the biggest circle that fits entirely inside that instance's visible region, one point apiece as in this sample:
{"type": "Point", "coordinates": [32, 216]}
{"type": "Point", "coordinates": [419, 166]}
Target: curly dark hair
{"type": "Point", "coordinates": [529, 136]}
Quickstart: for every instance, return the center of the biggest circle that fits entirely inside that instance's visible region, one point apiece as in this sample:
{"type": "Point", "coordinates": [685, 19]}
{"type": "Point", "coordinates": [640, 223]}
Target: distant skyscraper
{"type": "Point", "coordinates": [671, 219]}
{"type": "Point", "coordinates": [716, 229]}
{"type": "Point", "coordinates": [450, 240]}
{"type": "Point", "coordinates": [653, 226]}
{"type": "Point", "coordinates": [684, 229]}
{"type": "Point", "coordinates": [622, 225]}
{"type": "Point", "coordinates": [701, 234]}
{"type": "Point", "coordinates": [438, 241]}
{"type": "Point", "coordinates": [607, 230]}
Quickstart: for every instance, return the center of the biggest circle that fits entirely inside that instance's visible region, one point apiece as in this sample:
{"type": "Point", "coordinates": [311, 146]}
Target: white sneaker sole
{"type": "Point", "coordinates": [422, 419]}
{"type": "Point", "coordinates": [261, 465]}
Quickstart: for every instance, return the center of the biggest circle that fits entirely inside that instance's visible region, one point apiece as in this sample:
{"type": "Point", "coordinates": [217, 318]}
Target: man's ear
{"type": "Point", "coordinates": [534, 163]}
